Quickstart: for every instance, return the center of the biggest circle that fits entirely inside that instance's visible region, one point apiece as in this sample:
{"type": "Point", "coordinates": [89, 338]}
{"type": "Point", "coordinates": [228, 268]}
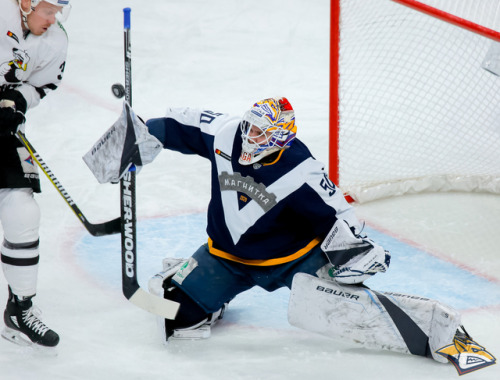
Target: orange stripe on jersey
{"type": "Point", "coordinates": [269, 262]}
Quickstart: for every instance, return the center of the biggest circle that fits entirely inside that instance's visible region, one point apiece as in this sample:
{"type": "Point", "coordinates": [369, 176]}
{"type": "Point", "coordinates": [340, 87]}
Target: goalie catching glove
{"type": "Point", "coordinates": [127, 145]}
{"type": "Point", "coordinates": [354, 258]}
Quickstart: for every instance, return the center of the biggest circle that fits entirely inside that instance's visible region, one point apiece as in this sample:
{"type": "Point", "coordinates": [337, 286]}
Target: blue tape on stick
{"type": "Point", "coordinates": [126, 18]}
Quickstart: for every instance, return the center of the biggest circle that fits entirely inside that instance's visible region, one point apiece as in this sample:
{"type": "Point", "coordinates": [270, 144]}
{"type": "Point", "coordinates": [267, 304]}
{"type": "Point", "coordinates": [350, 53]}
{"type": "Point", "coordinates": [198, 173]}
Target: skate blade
{"type": "Point", "coordinates": [25, 344]}
{"type": "Point", "coordinates": [16, 337]}
{"type": "Point", "coordinates": [202, 332]}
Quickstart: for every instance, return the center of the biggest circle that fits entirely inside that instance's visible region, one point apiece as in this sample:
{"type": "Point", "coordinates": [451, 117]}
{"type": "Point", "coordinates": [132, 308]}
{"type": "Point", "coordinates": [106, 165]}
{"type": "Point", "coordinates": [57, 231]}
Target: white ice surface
{"type": "Point", "coordinates": [221, 55]}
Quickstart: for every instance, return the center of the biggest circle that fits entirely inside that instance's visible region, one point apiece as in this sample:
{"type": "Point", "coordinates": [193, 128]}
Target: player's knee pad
{"type": "Point", "coordinates": [20, 216]}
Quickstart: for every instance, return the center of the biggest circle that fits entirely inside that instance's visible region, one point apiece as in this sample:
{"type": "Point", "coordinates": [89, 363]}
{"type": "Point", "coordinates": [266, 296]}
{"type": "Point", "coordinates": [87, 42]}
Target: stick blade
{"type": "Point", "coordinates": [155, 305]}
{"type": "Point", "coordinates": [103, 229]}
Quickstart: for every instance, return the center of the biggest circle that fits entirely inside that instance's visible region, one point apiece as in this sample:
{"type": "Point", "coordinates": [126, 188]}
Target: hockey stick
{"type": "Point", "coordinates": [100, 229]}
{"type": "Point", "coordinates": [130, 286]}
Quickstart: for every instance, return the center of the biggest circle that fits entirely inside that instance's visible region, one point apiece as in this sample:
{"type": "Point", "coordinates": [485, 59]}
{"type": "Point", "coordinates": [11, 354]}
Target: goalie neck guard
{"type": "Point", "coordinates": [267, 127]}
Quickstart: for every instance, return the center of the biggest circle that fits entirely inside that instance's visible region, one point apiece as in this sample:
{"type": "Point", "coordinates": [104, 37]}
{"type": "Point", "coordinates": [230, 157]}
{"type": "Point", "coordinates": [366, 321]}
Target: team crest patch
{"type": "Point", "coordinates": [248, 186]}
{"type": "Point", "coordinates": [466, 355]}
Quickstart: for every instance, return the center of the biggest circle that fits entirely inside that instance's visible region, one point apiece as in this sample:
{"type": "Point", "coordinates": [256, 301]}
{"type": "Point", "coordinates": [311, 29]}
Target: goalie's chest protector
{"type": "Point", "coordinates": [245, 218]}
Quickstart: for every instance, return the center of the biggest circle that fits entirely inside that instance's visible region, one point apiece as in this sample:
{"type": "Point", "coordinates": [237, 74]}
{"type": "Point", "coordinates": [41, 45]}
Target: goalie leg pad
{"type": "Point", "coordinates": [375, 320]}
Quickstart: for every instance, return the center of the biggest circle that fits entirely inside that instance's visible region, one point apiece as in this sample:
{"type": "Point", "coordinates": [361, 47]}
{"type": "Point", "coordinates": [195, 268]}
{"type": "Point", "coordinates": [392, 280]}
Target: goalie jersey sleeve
{"type": "Point", "coordinates": [262, 214]}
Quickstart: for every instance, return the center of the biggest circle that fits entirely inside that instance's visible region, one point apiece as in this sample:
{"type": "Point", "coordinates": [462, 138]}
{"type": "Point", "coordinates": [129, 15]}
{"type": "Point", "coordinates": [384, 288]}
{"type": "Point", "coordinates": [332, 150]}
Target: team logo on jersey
{"type": "Point", "coordinates": [13, 70]}
{"type": "Point", "coordinates": [248, 187]}
{"type": "Point", "coordinates": [466, 355]}
{"type": "Point", "coordinates": [13, 36]}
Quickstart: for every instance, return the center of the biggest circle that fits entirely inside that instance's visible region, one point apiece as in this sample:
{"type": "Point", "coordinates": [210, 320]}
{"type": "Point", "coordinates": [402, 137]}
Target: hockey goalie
{"type": "Point", "coordinates": [276, 220]}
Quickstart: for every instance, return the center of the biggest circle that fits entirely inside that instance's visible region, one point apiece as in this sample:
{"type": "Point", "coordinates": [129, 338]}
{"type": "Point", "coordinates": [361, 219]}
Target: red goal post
{"type": "Point", "coordinates": [414, 96]}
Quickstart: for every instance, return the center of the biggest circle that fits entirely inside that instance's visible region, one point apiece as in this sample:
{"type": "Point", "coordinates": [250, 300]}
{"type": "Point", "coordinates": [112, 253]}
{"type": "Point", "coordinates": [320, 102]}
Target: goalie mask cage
{"type": "Point", "coordinates": [414, 96]}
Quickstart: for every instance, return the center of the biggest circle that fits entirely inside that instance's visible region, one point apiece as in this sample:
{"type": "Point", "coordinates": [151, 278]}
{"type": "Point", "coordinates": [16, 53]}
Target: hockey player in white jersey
{"type": "Point", "coordinates": [33, 47]}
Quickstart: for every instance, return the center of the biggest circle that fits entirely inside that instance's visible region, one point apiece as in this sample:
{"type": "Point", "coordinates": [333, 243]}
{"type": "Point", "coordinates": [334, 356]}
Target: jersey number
{"type": "Point", "coordinates": [208, 116]}
{"type": "Point", "coordinates": [328, 185]}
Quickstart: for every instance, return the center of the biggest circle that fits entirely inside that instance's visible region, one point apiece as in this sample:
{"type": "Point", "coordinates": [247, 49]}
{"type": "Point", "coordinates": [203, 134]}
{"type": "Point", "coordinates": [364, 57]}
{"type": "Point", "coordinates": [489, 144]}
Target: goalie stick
{"type": "Point", "coordinates": [99, 229]}
{"type": "Point", "coordinates": [130, 286]}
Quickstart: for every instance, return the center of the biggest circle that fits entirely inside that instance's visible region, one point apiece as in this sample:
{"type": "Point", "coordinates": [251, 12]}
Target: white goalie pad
{"type": "Point", "coordinates": [127, 143]}
{"type": "Point", "coordinates": [374, 320]}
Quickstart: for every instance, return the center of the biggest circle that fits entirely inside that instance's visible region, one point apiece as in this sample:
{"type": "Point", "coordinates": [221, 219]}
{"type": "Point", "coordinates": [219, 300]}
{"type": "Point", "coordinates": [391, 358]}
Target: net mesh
{"type": "Point", "coordinates": [417, 109]}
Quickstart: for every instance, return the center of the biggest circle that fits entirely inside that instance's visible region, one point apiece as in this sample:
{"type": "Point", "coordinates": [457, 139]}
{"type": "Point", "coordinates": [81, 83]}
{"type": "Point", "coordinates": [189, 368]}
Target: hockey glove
{"type": "Point", "coordinates": [354, 258]}
{"type": "Point", "coordinates": [363, 266]}
{"type": "Point", "coordinates": [114, 154]}
{"type": "Point", "coordinates": [12, 109]}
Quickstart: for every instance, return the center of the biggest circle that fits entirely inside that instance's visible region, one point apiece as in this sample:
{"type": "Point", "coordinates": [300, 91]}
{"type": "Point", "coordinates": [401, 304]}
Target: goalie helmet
{"type": "Point", "coordinates": [61, 15]}
{"type": "Point", "coordinates": [267, 127]}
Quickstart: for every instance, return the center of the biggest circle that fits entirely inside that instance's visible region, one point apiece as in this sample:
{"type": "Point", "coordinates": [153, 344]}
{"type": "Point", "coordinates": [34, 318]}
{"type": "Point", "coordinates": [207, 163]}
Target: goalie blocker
{"type": "Point", "coordinates": [126, 145]}
{"type": "Point", "coordinates": [374, 320]}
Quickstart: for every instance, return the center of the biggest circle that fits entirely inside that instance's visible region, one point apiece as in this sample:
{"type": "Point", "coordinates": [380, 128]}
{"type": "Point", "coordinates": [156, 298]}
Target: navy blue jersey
{"type": "Point", "coordinates": [261, 214]}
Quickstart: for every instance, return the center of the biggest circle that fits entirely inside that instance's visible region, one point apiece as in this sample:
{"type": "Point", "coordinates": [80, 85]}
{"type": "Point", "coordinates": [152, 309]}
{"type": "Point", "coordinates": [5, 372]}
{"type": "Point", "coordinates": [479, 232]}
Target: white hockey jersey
{"type": "Point", "coordinates": [32, 64]}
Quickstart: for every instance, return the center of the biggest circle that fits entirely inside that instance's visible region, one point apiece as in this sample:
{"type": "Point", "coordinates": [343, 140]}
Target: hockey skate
{"type": "Point", "coordinates": [201, 330]}
{"type": "Point", "coordinates": [23, 325]}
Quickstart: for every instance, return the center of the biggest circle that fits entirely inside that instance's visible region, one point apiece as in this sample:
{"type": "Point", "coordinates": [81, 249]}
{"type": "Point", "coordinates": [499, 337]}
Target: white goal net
{"type": "Point", "coordinates": [419, 99]}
